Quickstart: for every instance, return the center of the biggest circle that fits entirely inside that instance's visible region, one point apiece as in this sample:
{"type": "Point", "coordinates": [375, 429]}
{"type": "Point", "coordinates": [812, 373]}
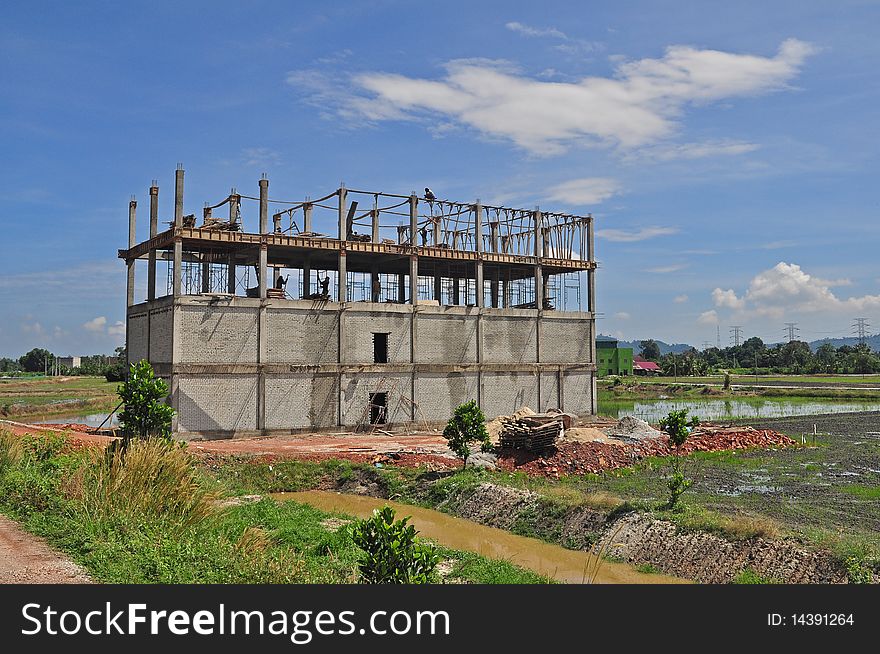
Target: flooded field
{"type": "Point", "coordinates": [91, 420]}
{"type": "Point", "coordinates": [569, 566]}
{"type": "Point", "coordinates": [728, 409]}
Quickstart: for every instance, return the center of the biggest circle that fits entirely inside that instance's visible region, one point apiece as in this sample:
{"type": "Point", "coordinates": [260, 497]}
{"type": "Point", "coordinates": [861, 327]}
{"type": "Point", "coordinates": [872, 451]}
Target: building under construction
{"type": "Point", "coordinates": [361, 308]}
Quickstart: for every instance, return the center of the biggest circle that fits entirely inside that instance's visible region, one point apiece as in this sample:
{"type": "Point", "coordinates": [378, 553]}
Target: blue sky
{"type": "Point", "coordinates": [729, 151]}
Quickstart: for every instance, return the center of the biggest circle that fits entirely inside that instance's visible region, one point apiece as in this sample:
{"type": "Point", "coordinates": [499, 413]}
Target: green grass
{"type": "Point", "coordinates": [862, 492]}
{"type": "Point", "coordinates": [156, 518]}
{"type": "Point", "coordinates": [749, 576]}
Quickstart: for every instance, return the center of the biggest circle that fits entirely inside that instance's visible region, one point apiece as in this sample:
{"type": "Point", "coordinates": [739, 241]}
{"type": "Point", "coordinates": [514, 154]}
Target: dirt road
{"type": "Point", "coordinates": [26, 559]}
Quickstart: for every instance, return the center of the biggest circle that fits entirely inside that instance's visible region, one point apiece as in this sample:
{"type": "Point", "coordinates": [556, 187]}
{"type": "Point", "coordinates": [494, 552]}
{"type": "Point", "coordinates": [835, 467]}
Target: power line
{"type": "Point", "coordinates": [736, 334]}
{"type": "Point", "coordinates": [792, 330]}
{"type": "Point", "coordinates": [860, 329]}
{"type": "Point", "coordinates": [718, 336]}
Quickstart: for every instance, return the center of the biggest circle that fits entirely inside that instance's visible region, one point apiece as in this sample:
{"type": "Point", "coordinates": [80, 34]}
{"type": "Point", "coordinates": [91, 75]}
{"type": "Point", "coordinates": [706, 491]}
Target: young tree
{"type": "Point", "coordinates": [467, 425]}
{"type": "Point", "coordinates": [677, 425]}
{"type": "Point", "coordinates": [392, 553]}
{"type": "Point", "coordinates": [145, 413]}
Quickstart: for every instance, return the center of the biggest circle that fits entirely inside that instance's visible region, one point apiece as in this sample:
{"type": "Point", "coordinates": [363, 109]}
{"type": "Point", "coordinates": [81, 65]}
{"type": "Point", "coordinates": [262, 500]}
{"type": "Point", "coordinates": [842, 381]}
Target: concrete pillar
{"type": "Point", "coordinates": [343, 277]}
{"type": "Point", "coordinates": [307, 276]}
{"type": "Point", "coordinates": [230, 276]}
{"type": "Point", "coordinates": [178, 196]}
{"type": "Point", "coordinates": [413, 279]}
{"type": "Point", "coordinates": [413, 220]}
{"type": "Point", "coordinates": [264, 206]}
{"type": "Point", "coordinates": [132, 240]}
{"type": "Point", "coordinates": [539, 252]}
{"type": "Point", "coordinates": [493, 287]}
{"type": "Point", "coordinates": [401, 288]}
{"type": "Point", "coordinates": [375, 287]}
{"type": "Point", "coordinates": [438, 284]}
{"type": "Point", "coordinates": [206, 276]}
{"type": "Point", "coordinates": [478, 228]}
{"type": "Point", "coordinates": [479, 283]}
{"type": "Point", "coordinates": [234, 203]}
{"type": "Point", "coordinates": [154, 229]}
{"type": "Point", "coordinates": [374, 216]}
{"type": "Point", "coordinates": [343, 228]}
{"type": "Point", "coordinates": [507, 291]}
{"type": "Point", "coordinates": [456, 291]}
{"type": "Point", "coordinates": [591, 274]}
{"type": "Point", "coordinates": [176, 270]}
{"type": "Point", "coordinates": [436, 231]}
{"type": "Point", "coordinates": [493, 236]}
{"type": "Point", "coordinates": [264, 269]}
{"type": "Point", "coordinates": [307, 217]}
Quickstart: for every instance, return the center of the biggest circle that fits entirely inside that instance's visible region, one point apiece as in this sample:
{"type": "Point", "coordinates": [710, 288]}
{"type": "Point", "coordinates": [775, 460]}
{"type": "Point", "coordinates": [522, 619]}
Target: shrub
{"type": "Point", "coordinates": [467, 425]}
{"type": "Point", "coordinates": [145, 412]}
{"type": "Point", "coordinates": [393, 554]}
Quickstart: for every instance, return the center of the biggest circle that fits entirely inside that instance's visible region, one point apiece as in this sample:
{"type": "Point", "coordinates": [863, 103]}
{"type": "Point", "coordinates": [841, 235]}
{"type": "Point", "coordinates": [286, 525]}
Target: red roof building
{"type": "Point", "coordinates": [643, 367]}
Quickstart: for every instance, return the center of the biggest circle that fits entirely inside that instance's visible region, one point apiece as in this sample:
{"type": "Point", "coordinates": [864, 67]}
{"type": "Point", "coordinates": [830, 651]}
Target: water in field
{"type": "Point", "coordinates": [714, 409]}
{"type": "Point", "coordinates": [567, 566]}
{"type": "Point", "coordinates": [92, 420]}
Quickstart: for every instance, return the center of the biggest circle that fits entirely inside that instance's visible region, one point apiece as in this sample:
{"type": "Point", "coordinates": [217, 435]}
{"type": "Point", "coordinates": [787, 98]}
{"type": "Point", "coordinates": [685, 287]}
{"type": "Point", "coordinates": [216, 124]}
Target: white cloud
{"type": "Point", "coordinates": [622, 315]}
{"type": "Point", "coordinates": [786, 287]}
{"type": "Point", "coordinates": [643, 234]}
{"type": "Point", "coordinates": [708, 318]}
{"type": "Point", "coordinates": [34, 328]}
{"type": "Point", "coordinates": [260, 157]}
{"type": "Point", "coordinates": [680, 299]}
{"type": "Point", "coordinates": [673, 151]}
{"type": "Point", "coordinates": [727, 299]}
{"type": "Point", "coordinates": [587, 190]}
{"type": "Point", "coordinates": [116, 329]}
{"type": "Point", "coordinates": [527, 30]}
{"type": "Point", "coordinates": [662, 270]}
{"type": "Point", "coordinates": [95, 324]}
{"type": "Point", "coordinates": [638, 106]}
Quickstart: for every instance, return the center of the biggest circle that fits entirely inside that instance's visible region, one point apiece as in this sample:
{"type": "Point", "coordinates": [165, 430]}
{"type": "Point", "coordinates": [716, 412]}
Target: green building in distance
{"type": "Point", "coordinates": [612, 360]}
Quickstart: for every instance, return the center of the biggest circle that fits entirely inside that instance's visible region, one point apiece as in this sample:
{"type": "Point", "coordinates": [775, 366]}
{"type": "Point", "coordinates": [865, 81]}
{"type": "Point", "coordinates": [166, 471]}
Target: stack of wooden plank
{"type": "Point", "coordinates": [534, 433]}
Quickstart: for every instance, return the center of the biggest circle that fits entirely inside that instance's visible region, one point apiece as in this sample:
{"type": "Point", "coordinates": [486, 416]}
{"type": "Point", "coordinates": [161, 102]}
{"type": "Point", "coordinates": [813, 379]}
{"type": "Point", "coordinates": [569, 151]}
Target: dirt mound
{"type": "Point", "coordinates": [635, 428]}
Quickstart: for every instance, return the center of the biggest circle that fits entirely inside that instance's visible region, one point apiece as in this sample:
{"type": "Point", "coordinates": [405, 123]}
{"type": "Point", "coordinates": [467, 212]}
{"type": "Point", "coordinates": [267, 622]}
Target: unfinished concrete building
{"type": "Point", "coordinates": [361, 308]}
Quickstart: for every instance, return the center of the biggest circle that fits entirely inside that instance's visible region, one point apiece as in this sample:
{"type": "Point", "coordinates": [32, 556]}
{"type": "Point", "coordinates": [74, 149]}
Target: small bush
{"type": "Point", "coordinates": [145, 413]}
{"type": "Point", "coordinates": [393, 554]}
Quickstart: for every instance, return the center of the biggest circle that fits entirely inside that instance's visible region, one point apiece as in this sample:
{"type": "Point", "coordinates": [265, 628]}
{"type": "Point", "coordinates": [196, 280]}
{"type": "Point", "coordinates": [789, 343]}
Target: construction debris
{"type": "Point", "coordinates": [534, 433]}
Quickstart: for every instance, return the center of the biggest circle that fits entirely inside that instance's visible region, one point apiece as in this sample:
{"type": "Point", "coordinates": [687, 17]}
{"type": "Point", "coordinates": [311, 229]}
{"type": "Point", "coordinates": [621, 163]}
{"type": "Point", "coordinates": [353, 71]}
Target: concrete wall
{"type": "Point", "coordinates": [510, 338]}
{"type": "Point", "coordinates": [301, 335]}
{"type": "Point", "coordinates": [361, 322]}
{"type": "Point", "coordinates": [296, 401]}
{"type": "Point", "coordinates": [218, 402]}
{"type": "Point", "coordinates": [446, 335]}
{"type": "Point", "coordinates": [229, 382]}
{"type": "Point", "coordinates": [215, 334]}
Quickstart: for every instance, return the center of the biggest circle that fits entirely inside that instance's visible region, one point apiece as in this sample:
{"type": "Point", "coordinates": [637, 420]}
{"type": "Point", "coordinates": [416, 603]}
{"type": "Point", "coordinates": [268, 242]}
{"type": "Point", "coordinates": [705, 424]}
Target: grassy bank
{"type": "Point", "coordinates": [157, 518]}
{"type": "Point", "coordinates": [806, 493]}
{"type": "Point", "coordinates": [53, 396]}
{"type": "Point", "coordinates": [666, 389]}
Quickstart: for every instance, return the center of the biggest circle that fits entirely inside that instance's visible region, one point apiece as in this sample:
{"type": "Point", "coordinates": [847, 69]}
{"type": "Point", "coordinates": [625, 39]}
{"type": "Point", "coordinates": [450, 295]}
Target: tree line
{"type": "Point", "coordinates": [753, 355]}
{"type": "Point", "coordinates": [40, 360]}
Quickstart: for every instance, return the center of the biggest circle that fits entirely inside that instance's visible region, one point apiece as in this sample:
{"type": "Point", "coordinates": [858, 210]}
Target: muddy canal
{"type": "Point", "coordinates": [568, 566]}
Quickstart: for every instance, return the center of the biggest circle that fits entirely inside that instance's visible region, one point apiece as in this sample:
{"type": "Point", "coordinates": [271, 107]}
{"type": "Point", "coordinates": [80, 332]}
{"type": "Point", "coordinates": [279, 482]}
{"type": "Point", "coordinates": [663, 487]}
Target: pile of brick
{"type": "Point", "coordinates": [576, 458]}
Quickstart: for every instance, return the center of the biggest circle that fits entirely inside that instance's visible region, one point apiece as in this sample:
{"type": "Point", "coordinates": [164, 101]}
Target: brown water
{"type": "Point", "coordinates": [569, 566]}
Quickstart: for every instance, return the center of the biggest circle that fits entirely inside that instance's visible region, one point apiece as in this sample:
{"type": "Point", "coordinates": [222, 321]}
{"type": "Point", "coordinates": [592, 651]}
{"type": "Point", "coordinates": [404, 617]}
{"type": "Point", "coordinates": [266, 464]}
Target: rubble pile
{"type": "Point", "coordinates": [578, 458]}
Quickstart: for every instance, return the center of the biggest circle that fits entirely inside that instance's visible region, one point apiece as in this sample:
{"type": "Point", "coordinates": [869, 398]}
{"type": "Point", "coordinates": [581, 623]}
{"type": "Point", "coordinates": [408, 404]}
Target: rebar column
{"type": "Point", "coordinates": [539, 253]}
{"type": "Point", "coordinates": [154, 229]}
{"type": "Point", "coordinates": [591, 273]}
{"type": "Point", "coordinates": [413, 259]}
{"type": "Point", "coordinates": [478, 246]}
{"type": "Point", "coordinates": [178, 224]}
{"type": "Point", "coordinates": [132, 239]}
